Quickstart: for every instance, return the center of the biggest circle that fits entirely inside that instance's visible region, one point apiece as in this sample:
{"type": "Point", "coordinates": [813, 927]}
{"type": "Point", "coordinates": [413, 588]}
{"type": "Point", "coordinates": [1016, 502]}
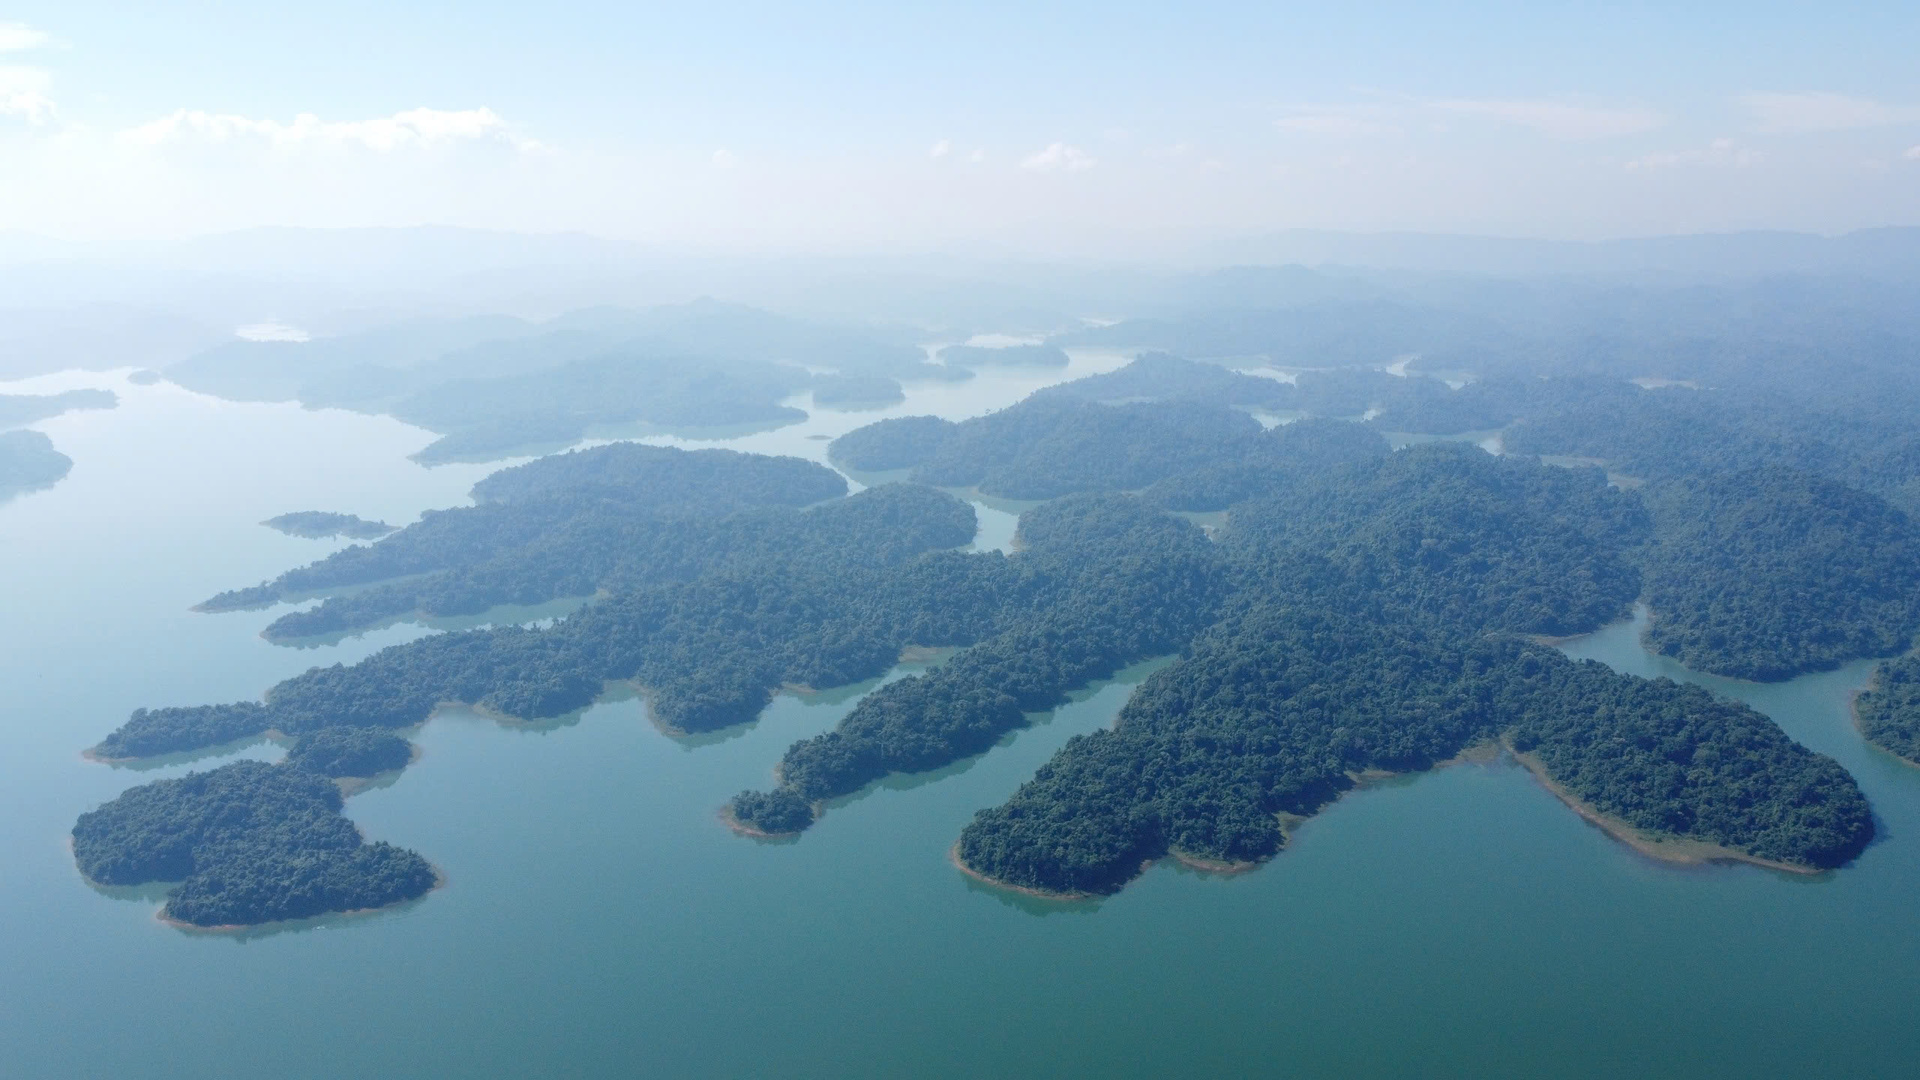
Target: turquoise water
{"type": "Point", "coordinates": [599, 922]}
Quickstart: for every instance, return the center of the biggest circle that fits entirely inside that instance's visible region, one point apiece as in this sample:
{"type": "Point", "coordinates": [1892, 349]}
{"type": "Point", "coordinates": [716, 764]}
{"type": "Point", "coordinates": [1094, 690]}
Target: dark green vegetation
{"type": "Point", "coordinates": [831, 598]}
{"type": "Point", "coordinates": [899, 443]}
{"type": "Point", "coordinates": [1114, 583]}
{"type": "Point", "coordinates": [248, 843]}
{"type": "Point", "coordinates": [19, 409]}
{"type": "Point", "coordinates": [350, 752]}
{"type": "Point", "coordinates": [1361, 609]}
{"type": "Point", "coordinates": [562, 526]}
{"type": "Point", "coordinates": [1889, 711]}
{"type": "Point", "coordinates": [321, 524]}
{"type": "Point", "coordinates": [1275, 712]}
{"type": "Point", "coordinates": [28, 461]}
{"type": "Point", "coordinates": [1461, 536]}
{"type": "Point", "coordinates": [1767, 573]}
{"type": "Point", "coordinates": [1036, 356]}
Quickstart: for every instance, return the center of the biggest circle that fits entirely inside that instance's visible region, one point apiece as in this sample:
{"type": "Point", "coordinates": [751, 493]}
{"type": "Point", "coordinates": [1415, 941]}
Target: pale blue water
{"type": "Point", "coordinates": [599, 922]}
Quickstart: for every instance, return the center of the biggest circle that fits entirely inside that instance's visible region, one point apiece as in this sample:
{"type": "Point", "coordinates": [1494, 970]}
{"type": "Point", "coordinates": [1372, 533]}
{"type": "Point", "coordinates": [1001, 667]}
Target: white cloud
{"type": "Point", "coordinates": [1795, 113]}
{"type": "Point", "coordinates": [23, 92]}
{"type": "Point", "coordinates": [413, 127]}
{"type": "Point", "coordinates": [1720, 152]}
{"type": "Point", "coordinates": [724, 159]}
{"type": "Point", "coordinates": [941, 149]}
{"type": "Point", "coordinates": [978, 155]}
{"type": "Point", "coordinates": [1912, 154]}
{"type": "Point", "coordinates": [1339, 120]}
{"type": "Point", "coordinates": [16, 36]}
{"type": "Point", "coordinates": [1058, 157]}
{"type": "Point", "coordinates": [1559, 119]}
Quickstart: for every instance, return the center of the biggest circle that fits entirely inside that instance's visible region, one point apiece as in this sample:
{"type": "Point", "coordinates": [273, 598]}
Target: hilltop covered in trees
{"type": "Point", "coordinates": [1768, 573]}
{"type": "Point", "coordinates": [1889, 711]}
{"type": "Point", "coordinates": [248, 843]}
{"type": "Point", "coordinates": [563, 526]}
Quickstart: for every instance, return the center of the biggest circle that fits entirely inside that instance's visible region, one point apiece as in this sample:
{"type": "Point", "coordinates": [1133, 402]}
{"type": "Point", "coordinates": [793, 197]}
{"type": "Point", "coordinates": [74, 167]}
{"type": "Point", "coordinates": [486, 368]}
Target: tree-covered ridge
{"type": "Point", "coordinates": [899, 442]}
{"type": "Point", "coordinates": [1120, 582]}
{"type": "Point", "coordinates": [859, 579]}
{"type": "Point", "coordinates": [1272, 465]}
{"type": "Point", "coordinates": [1164, 377]}
{"type": "Point", "coordinates": [321, 524]}
{"type": "Point", "coordinates": [1888, 712]}
{"type": "Point", "coordinates": [564, 526]}
{"type": "Point", "coordinates": [1046, 447]}
{"type": "Point", "coordinates": [1275, 712]}
{"type": "Point", "coordinates": [359, 752]}
{"type": "Point", "coordinates": [27, 461]}
{"type": "Point", "coordinates": [667, 479]}
{"type": "Point", "coordinates": [248, 843]}
{"type": "Point", "coordinates": [1460, 535]}
{"type": "Point", "coordinates": [1767, 573]}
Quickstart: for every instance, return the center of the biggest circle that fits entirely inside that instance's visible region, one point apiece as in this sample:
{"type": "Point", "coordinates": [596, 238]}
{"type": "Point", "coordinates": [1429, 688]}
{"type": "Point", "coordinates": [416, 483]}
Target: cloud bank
{"type": "Point", "coordinates": [413, 127]}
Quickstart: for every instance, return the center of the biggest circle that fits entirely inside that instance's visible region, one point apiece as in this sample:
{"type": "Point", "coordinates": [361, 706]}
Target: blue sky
{"type": "Point", "coordinates": [1063, 128]}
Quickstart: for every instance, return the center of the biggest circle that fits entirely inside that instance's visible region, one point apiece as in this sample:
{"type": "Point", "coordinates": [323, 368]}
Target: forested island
{"type": "Point", "coordinates": [28, 461]}
{"type": "Point", "coordinates": [1888, 712]}
{"type": "Point", "coordinates": [251, 843]}
{"type": "Point", "coordinates": [492, 386]}
{"type": "Point", "coordinates": [321, 525]}
{"type": "Point", "coordinates": [1361, 609]}
{"type": "Point", "coordinates": [20, 409]}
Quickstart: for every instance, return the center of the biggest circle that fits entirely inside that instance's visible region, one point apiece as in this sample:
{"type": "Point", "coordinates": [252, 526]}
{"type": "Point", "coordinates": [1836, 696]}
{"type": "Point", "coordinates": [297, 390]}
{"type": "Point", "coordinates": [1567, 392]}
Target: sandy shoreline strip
{"type": "Point", "coordinates": [725, 814]}
{"type": "Point", "coordinates": [1679, 850]}
{"type": "Point", "coordinates": [953, 856]}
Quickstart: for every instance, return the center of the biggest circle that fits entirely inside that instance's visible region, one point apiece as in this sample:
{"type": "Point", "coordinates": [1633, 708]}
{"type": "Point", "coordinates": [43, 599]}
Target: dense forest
{"type": "Point", "coordinates": [1889, 711]}
{"type": "Point", "coordinates": [566, 525]}
{"type": "Point", "coordinates": [1359, 609]}
{"type": "Point", "coordinates": [1278, 710]}
{"type": "Point", "coordinates": [1767, 573]}
{"type": "Point", "coordinates": [1122, 583]}
{"type": "Point", "coordinates": [322, 524]}
{"type": "Point", "coordinates": [248, 843]}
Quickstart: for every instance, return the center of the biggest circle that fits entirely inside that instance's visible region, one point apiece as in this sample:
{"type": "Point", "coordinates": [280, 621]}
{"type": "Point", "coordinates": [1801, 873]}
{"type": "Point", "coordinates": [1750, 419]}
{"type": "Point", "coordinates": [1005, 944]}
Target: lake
{"type": "Point", "coordinates": [599, 921]}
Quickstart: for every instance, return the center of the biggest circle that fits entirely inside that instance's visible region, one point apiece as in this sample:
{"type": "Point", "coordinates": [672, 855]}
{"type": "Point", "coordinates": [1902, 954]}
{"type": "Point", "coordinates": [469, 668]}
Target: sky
{"type": "Point", "coordinates": [1108, 129]}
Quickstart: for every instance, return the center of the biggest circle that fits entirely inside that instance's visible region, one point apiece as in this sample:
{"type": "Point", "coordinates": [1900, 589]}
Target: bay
{"type": "Point", "coordinates": [599, 921]}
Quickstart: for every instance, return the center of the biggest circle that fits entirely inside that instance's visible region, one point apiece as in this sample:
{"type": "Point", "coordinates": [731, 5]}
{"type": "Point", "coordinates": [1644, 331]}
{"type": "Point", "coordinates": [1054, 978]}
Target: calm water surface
{"type": "Point", "coordinates": [599, 922]}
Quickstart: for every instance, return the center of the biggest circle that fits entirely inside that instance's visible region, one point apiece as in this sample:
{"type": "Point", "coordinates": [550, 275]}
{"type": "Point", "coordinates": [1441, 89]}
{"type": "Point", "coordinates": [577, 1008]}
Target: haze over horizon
{"type": "Point", "coordinates": [866, 129]}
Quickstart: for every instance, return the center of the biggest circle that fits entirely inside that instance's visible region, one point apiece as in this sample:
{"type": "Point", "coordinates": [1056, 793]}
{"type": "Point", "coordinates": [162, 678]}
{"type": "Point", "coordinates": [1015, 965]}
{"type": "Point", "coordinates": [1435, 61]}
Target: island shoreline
{"type": "Point", "coordinates": [1679, 851]}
